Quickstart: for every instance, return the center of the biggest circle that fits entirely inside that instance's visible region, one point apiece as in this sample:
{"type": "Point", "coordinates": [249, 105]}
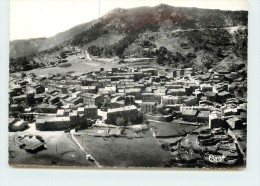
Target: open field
{"type": "Point", "coordinates": [124, 152]}
{"type": "Point", "coordinates": [61, 150]}
{"type": "Point", "coordinates": [77, 66]}
{"type": "Point", "coordinates": [85, 66]}
{"type": "Point", "coordinates": [170, 129]}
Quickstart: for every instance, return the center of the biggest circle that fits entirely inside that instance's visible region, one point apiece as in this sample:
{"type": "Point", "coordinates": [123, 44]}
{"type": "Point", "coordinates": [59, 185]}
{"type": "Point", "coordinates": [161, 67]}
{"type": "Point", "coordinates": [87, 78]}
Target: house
{"type": "Point", "coordinates": [223, 96]}
{"type": "Point", "coordinates": [17, 88]}
{"type": "Point", "coordinates": [176, 92]}
{"type": "Point", "coordinates": [189, 115]}
{"type": "Point", "coordinates": [230, 111]}
{"type": "Point", "coordinates": [45, 108]}
{"type": "Point", "coordinates": [170, 100]}
{"type": "Point", "coordinates": [76, 94]}
{"type": "Point", "coordinates": [188, 71]}
{"type": "Point", "coordinates": [14, 107]}
{"type": "Point", "coordinates": [38, 98]}
{"type": "Point", "coordinates": [129, 100]}
{"type": "Point", "coordinates": [216, 88]}
{"type": "Point", "coordinates": [89, 89]}
{"type": "Point", "coordinates": [179, 72]}
{"type": "Point", "coordinates": [192, 100]}
{"type": "Point", "coordinates": [32, 144]}
{"type": "Point", "coordinates": [53, 123]}
{"type": "Point", "coordinates": [134, 92]}
{"type": "Point", "coordinates": [149, 71]}
{"type": "Point", "coordinates": [81, 111]}
{"type": "Point", "coordinates": [197, 93]}
{"type": "Point", "coordinates": [73, 100]}
{"type": "Point", "coordinates": [148, 107]}
{"type": "Point", "coordinates": [205, 102]}
{"type": "Point", "coordinates": [205, 87]}
{"type": "Point", "coordinates": [235, 123]}
{"type": "Point", "coordinates": [117, 101]}
{"type": "Point", "coordinates": [60, 113]}
{"type": "Point", "coordinates": [199, 108]}
{"type": "Point", "coordinates": [22, 83]}
{"type": "Point", "coordinates": [171, 85]}
{"type": "Point", "coordinates": [203, 116]}
{"type": "Point", "coordinates": [148, 97]}
{"type": "Point", "coordinates": [92, 99]}
{"type": "Point", "coordinates": [129, 113]}
{"type": "Point", "coordinates": [18, 99]}
{"type": "Point", "coordinates": [234, 75]}
{"type": "Point", "coordinates": [162, 72]}
{"type": "Point", "coordinates": [210, 96]}
{"type": "Point", "coordinates": [216, 121]}
{"type": "Point", "coordinates": [158, 97]}
{"type": "Point", "coordinates": [88, 81]}
{"type": "Point", "coordinates": [232, 87]}
{"type": "Point", "coordinates": [54, 100]}
{"type": "Point", "coordinates": [63, 96]}
{"type": "Point", "coordinates": [74, 118]}
{"type": "Point", "coordinates": [90, 111]}
{"type": "Point", "coordinates": [38, 89]}
{"type": "Point", "coordinates": [17, 125]}
{"type": "Point", "coordinates": [107, 90]}
{"type": "Point", "coordinates": [60, 88]}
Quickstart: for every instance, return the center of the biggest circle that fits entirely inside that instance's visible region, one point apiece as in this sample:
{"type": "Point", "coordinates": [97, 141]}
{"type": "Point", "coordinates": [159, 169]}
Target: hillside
{"type": "Point", "coordinates": [19, 48]}
{"type": "Point", "coordinates": [25, 47]}
{"type": "Point", "coordinates": [175, 36]}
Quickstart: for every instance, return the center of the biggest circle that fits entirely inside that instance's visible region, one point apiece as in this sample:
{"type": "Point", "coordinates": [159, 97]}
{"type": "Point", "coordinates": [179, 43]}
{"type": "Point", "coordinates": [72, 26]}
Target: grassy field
{"type": "Point", "coordinates": [124, 152]}
{"type": "Point", "coordinates": [77, 65]}
{"type": "Point", "coordinates": [61, 151]}
{"type": "Point", "coordinates": [84, 66]}
{"type": "Point", "coordinates": [170, 129]}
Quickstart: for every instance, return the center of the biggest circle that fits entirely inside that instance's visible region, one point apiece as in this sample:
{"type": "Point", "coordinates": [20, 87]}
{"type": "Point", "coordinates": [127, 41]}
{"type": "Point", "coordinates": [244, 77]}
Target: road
{"type": "Point", "coordinates": [89, 157]}
{"type": "Point", "coordinates": [231, 28]}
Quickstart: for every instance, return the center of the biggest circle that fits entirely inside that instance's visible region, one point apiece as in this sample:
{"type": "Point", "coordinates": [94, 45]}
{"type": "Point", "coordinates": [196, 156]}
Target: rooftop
{"type": "Point", "coordinates": [126, 108]}
{"type": "Point", "coordinates": [57, 119]}
{"type": "Point", "coordinates": [189, 112]}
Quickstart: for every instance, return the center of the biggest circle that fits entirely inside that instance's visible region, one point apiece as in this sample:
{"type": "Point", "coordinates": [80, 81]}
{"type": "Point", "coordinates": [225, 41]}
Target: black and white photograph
{"type": "Point", "coordinates": [128, 84]}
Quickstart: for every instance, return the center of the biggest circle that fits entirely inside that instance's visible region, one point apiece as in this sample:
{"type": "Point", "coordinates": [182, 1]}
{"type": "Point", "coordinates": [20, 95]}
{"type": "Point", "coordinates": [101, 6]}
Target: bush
{"type": "Point", "coordinates": [63, 55]}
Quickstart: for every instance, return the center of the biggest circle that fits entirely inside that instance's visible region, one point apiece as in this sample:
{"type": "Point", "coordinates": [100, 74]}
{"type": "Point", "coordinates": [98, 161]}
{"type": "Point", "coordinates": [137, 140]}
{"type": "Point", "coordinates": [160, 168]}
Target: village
{"type": "Point", "coordinates": [131, 115]}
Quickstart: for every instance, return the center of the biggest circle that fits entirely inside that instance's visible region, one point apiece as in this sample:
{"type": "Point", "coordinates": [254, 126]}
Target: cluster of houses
{"type": "Point", "coordinates": [215, 98]}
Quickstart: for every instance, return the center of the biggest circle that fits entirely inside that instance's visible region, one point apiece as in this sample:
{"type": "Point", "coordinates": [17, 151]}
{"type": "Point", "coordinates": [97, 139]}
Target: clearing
{"type": "Point", "coordinates": [124, 152]}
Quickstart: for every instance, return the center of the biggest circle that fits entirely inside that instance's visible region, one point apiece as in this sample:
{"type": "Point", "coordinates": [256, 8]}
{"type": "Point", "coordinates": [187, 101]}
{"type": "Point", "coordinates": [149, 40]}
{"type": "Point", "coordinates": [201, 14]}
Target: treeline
{"type": "Point", "coordinates": [174, 59]}
{"type": "Point", "coordinates": [24, 63]}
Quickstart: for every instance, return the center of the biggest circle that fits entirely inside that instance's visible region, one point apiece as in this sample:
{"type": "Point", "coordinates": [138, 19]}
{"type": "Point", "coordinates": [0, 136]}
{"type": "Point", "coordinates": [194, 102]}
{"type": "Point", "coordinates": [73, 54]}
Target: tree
{"type": "Point", "coordinates": [63, 55]}
{"type": "Point", "coordinates": [161, 57]}
{"type": "Point", "coordinates": [120, 121]}
{"type": "Point", "coordinates": [23, 75]}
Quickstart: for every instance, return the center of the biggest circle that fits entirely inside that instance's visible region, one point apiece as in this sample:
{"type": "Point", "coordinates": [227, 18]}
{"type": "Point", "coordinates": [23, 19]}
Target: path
{"type": "Point", "coordinates": [230, 28]}
{"type": "Point", "coordinates": [89, 157]}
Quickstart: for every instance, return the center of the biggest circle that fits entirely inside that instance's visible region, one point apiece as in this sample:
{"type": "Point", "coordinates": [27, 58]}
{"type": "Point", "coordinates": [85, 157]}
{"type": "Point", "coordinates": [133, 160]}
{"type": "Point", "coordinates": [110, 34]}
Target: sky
{"type": "Point", "coordinates": [45, 18]}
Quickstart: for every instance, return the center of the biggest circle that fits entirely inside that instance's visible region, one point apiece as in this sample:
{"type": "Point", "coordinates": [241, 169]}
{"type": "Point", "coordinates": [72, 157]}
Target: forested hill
{"type": "Point", "coordinates": [174, 35]}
